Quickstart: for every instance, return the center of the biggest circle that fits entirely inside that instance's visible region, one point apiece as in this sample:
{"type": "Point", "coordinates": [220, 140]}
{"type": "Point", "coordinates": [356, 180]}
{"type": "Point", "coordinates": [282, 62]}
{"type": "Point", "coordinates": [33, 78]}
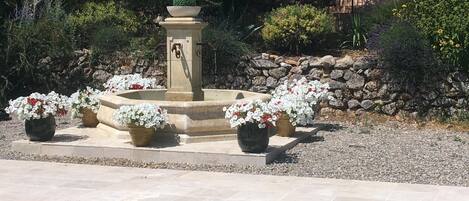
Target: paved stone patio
{"type": "Point", "coordinates": [95, 142]}
{"type": "Point", "coordinates": [37, 181]}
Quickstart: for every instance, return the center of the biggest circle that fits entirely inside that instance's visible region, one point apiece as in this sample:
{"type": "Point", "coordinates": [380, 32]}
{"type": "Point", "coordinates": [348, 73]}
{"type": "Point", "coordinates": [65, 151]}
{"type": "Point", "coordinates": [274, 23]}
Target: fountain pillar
{"type": "Point", "coordinates": [184, 57]}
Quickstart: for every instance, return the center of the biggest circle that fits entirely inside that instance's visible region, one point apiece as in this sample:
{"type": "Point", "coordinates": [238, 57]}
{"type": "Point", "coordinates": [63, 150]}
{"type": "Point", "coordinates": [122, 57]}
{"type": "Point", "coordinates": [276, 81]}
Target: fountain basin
{"type": "Point", "coordinates": [191, 121]}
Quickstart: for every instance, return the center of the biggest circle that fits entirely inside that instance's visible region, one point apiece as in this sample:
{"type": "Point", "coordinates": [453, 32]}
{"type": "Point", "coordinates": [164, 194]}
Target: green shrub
{"type": "Point", "coordinates": [184, 2]}
{"type": "Point", "coordinates": [149, 45]}
{"type": "Point", "coordinates": [29, 41]}
{"type": "Point", "coordinates": [88, 20]}
{"type": "Point", "coordinates": [227, 46]}
{"type": "Point", "coordinates": [109, 39]}
{"type": "Point", "coordinates": [445, 23]}
{"type": "Point", "coordinates": [296, 26]}
{"type": "Point", "coordinates": [407, 54]}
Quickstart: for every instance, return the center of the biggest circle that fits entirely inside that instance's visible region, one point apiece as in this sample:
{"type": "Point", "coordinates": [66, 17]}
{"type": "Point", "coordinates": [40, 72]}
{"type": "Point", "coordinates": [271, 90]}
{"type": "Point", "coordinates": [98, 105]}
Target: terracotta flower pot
{"type": "Point", "coordinates": [285, 127]}
{"type": "Point", "coordinates": [140, 135]}
{"type": "Point", "coordinates": [40, 129]}
{"type": "Point", "coordinates": [89, 118]}
{"type": "Point", "coordinates": [252, 139]}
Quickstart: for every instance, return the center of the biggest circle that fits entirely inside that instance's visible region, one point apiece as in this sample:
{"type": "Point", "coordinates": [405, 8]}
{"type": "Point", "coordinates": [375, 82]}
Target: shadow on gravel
{"type": "Point", "coordinates": [312, 138]}
{"type": "Point", "coordinates": [286, 158]}
{"type": "Point", "coordinates": [329, 127]}
{"type": "Point", "coordinates": [4, 116]}
{"type": "Point", "coordinates": [67, 138]}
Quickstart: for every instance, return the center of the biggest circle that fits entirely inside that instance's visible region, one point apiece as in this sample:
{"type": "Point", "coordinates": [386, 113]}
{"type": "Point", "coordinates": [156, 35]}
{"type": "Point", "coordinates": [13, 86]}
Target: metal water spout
{"type": "Point", "coordinates": [177, 47]}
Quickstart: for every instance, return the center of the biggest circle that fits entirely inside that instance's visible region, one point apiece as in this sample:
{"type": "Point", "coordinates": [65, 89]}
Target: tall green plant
{"type": "Point", "coordinates": [225, 48]}
{"type": "Point", "coordinates": [358, 35]}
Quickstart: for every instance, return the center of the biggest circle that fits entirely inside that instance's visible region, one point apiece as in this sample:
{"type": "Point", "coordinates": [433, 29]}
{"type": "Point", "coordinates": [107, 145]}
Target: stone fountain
{"type": "Point", "coordinates": [195, 114]}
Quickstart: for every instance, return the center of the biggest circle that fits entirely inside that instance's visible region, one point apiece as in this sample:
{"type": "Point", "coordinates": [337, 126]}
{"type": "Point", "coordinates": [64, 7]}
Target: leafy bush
{"type": "Point", "coordinates": [296, 26]}
{"type": "Point", "coordinates": [109, 39]}
{"type": "Point", "coordinates": [28, 42]}
{"type": "Point", "coordinates": [184, 2]}
{"type": "Point", "coordinates": [95, 15]}
{"type": "Point", "coordinates": [406, 53]}
{"type": "Point", "coordinates": [445, 23]}
{"type": "Point", "coordinates": [227, 46]}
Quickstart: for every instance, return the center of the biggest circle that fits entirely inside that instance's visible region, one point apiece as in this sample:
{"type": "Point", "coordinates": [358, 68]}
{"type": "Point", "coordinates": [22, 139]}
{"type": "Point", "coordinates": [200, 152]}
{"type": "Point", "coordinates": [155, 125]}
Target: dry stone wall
{"type": "Point", "coordinates": [98, 69]}
{"type": "Point", "coordinates": [357, 83]}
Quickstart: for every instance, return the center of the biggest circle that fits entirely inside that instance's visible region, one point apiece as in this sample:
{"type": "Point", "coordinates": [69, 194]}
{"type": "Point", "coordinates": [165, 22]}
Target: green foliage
{"type": "Point", "coordinates": [109, 39]}
{"type": "Point", "coordinates": [184, 2]}
{"type": "Point", "coordinates": [149, 45]}
{"type": "Point", "coordinates": [296, 27]}
{"type": "Point", "coordinates": [225, 44]}
{"type": "Point", "coordinates": [357, 37]}
{"type": "Point", "coordinates": [379, 13]}
{"type": "Point", "coordinates": [406, 53]}
{"type": "Point", "coordinates": [445, 23]}
{"type": "Point", "coordinates": [29, 41]}
{"type": "Point", "coordinates": [92, 16]}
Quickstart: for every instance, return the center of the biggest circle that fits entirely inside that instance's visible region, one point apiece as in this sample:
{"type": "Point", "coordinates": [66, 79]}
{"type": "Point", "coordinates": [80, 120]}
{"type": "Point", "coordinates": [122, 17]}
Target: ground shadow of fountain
{"type": "Point", "coordinates": [166, 140]}
{"type": "Point", "coordinates": [68, 138]}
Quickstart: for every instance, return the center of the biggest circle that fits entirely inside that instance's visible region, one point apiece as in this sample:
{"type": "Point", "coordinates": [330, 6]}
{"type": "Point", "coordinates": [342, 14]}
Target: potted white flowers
{"type": "Point", "coordinates": [295, 104]}
{"type": "Point", "coordinates": [184, 8]}
{"type": "Point", "coordinates": [252, 119]}
{"type": "Point", "coordinates": [141, 119]}
{"type": "Point", "coordinates": [38, 111]}
{"type": "Point", "coordinates": [129, 82]}
{"type": "Point", "coordinates": [85, 104]}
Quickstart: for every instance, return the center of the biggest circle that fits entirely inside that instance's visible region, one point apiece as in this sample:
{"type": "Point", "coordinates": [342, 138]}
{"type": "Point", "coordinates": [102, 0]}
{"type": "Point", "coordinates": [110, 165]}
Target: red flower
{"type": "Point", "coordinates": [61, 112]}
{"type": "Point", "coordinates": [32, 101]}
{"type": "Point", "coordinates": [265, 118]}
{"type": "Point", "coordinates": [136, 86]}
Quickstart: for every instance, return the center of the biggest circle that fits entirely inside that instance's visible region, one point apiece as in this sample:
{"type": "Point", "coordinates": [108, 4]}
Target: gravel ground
{"type": "Point", "coordinates": [391, 152]}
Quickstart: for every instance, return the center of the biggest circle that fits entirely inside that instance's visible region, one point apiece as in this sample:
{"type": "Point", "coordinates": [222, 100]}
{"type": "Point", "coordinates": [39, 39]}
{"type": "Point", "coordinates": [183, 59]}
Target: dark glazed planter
{"type": "Point", "coordinates": [40, 129]}
{"type": "Point", "coordinates": [253, 139]}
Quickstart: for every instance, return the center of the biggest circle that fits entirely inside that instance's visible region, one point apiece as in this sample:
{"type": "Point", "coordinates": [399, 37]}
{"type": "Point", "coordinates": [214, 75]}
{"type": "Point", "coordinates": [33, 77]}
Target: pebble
{"type": "Point", "coordinates": [404, 154]}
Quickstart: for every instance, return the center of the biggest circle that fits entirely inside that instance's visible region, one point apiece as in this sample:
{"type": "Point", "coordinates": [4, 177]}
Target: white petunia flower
{"type": "Point", "coordinates": [297, 99]}
{"type": "Point", "coordinates": [130, 82]}
{"type": "Point", "coordinates": [146, 115]}
{"type": "Point", "coordinates": [87, 98]}
{"type": "Point", "coordinates": [249, 112]}
{"type": "Point", "coordinates": [38, 106]}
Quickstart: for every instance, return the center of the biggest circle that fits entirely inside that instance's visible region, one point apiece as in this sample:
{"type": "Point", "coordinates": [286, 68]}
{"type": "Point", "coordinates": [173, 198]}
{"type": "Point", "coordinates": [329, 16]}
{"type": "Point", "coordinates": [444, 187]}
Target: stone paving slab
{"type": "Point", "coordinates": [96, 142]}
{"type": "Point", "coordinates": [45, 181]}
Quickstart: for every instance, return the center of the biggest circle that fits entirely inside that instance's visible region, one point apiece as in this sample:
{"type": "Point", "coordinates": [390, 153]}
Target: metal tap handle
{"type": "Point", "coordinates": [177, 49]}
